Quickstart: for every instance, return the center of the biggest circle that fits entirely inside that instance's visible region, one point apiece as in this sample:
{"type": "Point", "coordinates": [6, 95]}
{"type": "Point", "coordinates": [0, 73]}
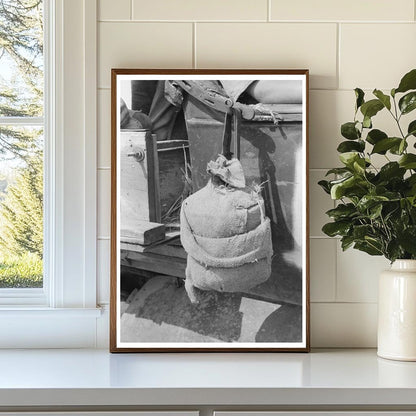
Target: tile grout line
{"type": "Point", "coordinates": [338, 241]}
{"type": "Point", "coordinates": [336, 271]}
{"type": "Point", "coordinates": [310, 89]}
{"type": "Point", "coordinates": [194, 63]}
{"type": "Point", "coordinates": [308, 22]}
{"type": "Point", "coordinates": [269, 11]}
{"type": "Point", "coordinates": [131, 9]}
{"type": "Point", "coordinates": [344, 303]}
{"type": "Point", "coordinates": [338, 64]}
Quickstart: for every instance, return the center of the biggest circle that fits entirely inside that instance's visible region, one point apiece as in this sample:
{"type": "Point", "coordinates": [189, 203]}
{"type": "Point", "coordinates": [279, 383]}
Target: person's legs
{"type": "Point", "coordinates": [276, 91]}
{"type": "Point", "coordinates": [162, 114]}
{"type": "Point", "coordinates": [142, 93]}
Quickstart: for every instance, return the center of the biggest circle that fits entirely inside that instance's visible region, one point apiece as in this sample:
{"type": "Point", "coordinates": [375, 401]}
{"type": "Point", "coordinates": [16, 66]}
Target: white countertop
{"type": "Point", "coordinates": [96, 377]}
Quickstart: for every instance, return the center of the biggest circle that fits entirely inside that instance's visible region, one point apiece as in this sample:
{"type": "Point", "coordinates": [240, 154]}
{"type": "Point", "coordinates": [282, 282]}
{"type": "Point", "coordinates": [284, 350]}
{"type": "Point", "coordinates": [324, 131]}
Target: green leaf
{"type": "Point", "coordinates": [408, 102]}
{"type": "Point", "coordinates": [411, 180]}
{"type": "Point", "coordinates": [368, 201]}
{"type": "Point", "coordinates": [408, 161]}
{"type": "Point", "coordinates": [349, 131]}
{"type": "Point", "coordinates": [393, 250]}
{"type": "Point", "coordinates": [349, 146]}
{"type": "Point", "coordinates": [368, 248]}
{"type": "Point", "coordinates": [411, 130]}
{"type": "Point", "coordinates": [346, 242]}
{"type": "Point", "coordinates": [338, 171]}
{"type": "Point", "coordinates": [361, 231]}
{"type": "Point", "coordinates": [374, 242]}
{"type": "Point", "coordinates": [391, 170]}
{"type": "Point", "coordinates": [367, 122]}
{"type": "Point", "coordinates": [383, 145]}
{"type": "Point", "coordinates": [400, 148]}
{"type": "Point", "coordinates": [338, 189]}
{"type": "Point", "coordinates": [325, 186]}
{"type": "Point", "coordinates": [385, 99]}
{"type": "Point", "coordinates": [348, 158]}
{"type": "Point", "coordinates": [342, 211]}
{"type": "Point", "coordinates": [407, 240]}
{"type": "Point", "coordinates": [333, 229]}
{"type": "Point", "coordinates": [411, 185]}
{"type": "Point", "coordinates": [408, 82]}
{"type": "Point", "coordinates": [375, 136]}
{"type": "Point", "coordinates": [393, 92]}
{"type": "Point", "coordinates": [359, 95]}
{"type": "Point", "coordinates": [359, 165]}
{"type": "Point", "coordinates": [375, 211]}
{"type": "Point", "coordinates": [371, 108]}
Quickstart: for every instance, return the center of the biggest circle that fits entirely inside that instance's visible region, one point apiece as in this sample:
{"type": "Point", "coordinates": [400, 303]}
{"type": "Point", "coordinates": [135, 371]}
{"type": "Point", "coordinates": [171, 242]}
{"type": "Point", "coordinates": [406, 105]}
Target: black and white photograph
{"type": "Point", "coordinates": [209, 243]}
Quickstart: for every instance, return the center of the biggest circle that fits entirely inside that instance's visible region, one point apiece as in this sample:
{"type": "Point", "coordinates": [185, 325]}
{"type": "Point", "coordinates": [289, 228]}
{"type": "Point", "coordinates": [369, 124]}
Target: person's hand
{"type": "Point", "coordinates": [131, 120]}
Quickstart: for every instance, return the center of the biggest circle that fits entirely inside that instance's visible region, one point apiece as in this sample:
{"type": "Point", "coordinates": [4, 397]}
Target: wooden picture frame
{"type": "Point", "coordinates": [166, 126]}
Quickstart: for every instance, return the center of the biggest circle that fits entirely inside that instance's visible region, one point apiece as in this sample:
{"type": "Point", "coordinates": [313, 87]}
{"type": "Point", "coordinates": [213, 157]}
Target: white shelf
{"type": "Point", "coordinates": [95, 377]}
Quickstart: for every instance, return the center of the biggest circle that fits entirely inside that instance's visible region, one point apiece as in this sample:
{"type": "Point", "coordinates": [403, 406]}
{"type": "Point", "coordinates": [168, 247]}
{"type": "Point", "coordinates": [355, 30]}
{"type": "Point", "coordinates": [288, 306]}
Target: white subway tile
{"type": "Point", "coordinates": [343, 325]}
{"type": "Point", "coordinates": [104, 202]}
{"type": "Point", "coordinates": [357, 275]}
{"type": "Point", "coordinates": [142, 45]}
{"type": "Point", "coordinates": [327, 110]}
{"type": "Point", "coordinates": [272, 45]}
{"type": "Point", "coordinates": [376, 55]}
{"type": "Point", "coordinates": [114, 10]}
{"type": "Point", "coordinates": [342, 10]}
{"type": "Point", "coordinates": [104, 128]}
{"type": "Point", "coordinates": [319, 201]}
{"type": "Point", "coordinates": [103, 271]}
{"type": "Point", "coordinates": [200, 10]}
{"type": "Point", "coordinates": [323, 269]}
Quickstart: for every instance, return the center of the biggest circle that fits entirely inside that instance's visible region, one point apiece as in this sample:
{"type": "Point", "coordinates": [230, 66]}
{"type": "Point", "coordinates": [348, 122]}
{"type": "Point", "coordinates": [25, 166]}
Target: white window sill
{"type": "Point", "coordinates": [40, 327]}
{"type": "Point", "coordinates": [39, 311]}
{"type": "Point", "coordinates": [322, 379]}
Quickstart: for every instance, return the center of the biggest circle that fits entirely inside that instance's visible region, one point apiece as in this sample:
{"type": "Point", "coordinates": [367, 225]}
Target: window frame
{"type": "Point", "coordinates": [34, 296]}
{"type": "Point", "coordinates": [70, 207]}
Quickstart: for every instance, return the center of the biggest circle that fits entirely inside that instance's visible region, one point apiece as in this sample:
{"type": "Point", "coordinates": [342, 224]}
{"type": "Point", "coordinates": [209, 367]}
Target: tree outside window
{"type": "Point", "coordinates": [21, 143]}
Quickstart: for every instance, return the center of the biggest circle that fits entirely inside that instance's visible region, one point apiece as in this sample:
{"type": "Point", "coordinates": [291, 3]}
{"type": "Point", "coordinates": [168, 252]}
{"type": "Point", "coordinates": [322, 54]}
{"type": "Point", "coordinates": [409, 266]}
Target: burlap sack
{"type": "Point", "coordinates": [227, 238]}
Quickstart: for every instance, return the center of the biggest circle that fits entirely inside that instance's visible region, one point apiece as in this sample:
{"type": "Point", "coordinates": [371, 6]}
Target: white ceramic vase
{"type": "Point", "coordinates": [397, 312]}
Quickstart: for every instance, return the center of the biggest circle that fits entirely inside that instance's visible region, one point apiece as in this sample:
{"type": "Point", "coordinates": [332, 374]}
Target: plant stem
{"type": "Point", "coordinates": [397, 118]}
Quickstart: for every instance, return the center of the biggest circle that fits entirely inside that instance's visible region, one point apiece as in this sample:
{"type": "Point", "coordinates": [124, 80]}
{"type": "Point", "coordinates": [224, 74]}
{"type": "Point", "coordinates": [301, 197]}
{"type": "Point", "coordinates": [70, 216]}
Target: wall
{"type": "Point", "coordinates": [344, 43]}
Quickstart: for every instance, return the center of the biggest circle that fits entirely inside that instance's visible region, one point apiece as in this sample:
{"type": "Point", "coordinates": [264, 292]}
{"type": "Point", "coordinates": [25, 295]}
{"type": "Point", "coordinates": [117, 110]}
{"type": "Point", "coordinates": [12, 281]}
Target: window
{"type": "Point", "coordinates": [63, 312]}
{"type": "Point", "coordinates": [22, 127]}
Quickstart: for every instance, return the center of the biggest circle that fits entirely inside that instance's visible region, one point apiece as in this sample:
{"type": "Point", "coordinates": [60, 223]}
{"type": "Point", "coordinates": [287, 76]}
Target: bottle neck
{"type": "Point", "coordinates": [404, 265]}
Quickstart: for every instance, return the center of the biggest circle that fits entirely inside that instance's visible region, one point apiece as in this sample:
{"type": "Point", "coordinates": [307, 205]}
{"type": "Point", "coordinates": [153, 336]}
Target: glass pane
{"type": "Point", "coordinates": [21, 207]}
{"type": "Point", "coordinates": [21, 58]}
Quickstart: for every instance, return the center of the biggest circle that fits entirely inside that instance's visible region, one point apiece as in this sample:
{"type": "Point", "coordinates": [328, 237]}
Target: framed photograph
{"type": "Point", "coordinates": [209, 214]}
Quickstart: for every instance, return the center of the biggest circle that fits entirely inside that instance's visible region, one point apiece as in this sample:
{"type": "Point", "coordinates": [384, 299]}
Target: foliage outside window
{"type": "Point", "coordinates": [21, 143]}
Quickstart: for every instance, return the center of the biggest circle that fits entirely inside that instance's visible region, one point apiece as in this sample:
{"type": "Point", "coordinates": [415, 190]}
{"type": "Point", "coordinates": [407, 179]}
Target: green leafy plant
{"type": "Point", "coordinates": [376, 210]}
